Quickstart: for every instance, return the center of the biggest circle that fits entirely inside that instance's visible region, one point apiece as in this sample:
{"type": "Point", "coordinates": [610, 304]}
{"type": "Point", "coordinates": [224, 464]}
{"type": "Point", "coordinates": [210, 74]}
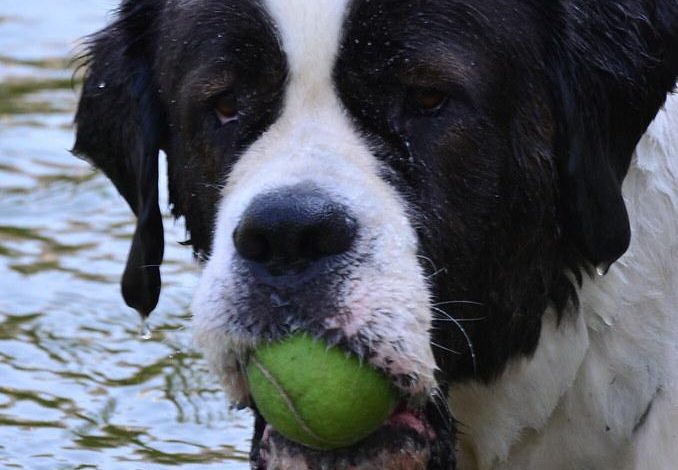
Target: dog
{"type": "Point", "coordinates": [446, 189]}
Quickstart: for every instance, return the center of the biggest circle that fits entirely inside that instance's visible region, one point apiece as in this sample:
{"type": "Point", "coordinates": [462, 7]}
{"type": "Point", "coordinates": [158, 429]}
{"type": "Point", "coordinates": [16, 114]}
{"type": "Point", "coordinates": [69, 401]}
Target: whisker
{"type": "Point", "coordinates": [429, 261]}
{"type": "Point", "coordinates": [213, 186]}
{"type": "Point", "coordinates": [438, 400]}
{"type": "Point", "coordinates": [464, 320]}
{"type": "Point", "coordinates": [459, 302]}
{"type": "Point", "coordinates": [440, 271]}
{"type": "Point", "coordinates": [445, 349]}
{"type": "Point", "coordinates": [463, 331]}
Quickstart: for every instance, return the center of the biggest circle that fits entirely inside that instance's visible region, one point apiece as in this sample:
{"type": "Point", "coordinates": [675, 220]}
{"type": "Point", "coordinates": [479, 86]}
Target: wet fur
{"type": "Point", "coordinates": [510, 197]}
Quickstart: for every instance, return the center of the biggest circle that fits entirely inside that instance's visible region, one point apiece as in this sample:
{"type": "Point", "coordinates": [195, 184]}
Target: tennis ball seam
{"type": "Point", "coordinates": [290, 404]}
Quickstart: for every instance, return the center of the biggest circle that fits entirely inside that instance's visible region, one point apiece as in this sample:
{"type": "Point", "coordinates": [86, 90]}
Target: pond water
{"type": "Point", "coordinates": [79, 387]}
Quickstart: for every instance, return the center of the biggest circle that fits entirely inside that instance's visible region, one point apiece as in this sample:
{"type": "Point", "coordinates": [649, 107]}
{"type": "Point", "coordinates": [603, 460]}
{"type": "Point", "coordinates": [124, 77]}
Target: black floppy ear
{"type": "Point", "coordinates": [614, 63]}
{"type": "Point", "coordinates": [120, 130]}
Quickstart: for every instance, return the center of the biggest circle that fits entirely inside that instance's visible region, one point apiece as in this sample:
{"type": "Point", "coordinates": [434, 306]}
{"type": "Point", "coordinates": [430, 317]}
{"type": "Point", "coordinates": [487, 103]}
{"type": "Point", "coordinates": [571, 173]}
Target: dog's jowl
{"type": "Point", "coordinates": [470, 196]}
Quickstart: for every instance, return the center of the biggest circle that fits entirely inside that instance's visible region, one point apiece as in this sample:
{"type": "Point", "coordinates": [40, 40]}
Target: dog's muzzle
{"type": "Point", "coordinates": [304, 258]}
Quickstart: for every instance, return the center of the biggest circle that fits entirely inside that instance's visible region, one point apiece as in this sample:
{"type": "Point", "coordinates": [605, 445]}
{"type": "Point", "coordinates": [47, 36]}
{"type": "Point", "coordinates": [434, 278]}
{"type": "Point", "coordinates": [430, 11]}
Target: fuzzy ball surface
{"type": "Point", "coordinates": [316, 395]}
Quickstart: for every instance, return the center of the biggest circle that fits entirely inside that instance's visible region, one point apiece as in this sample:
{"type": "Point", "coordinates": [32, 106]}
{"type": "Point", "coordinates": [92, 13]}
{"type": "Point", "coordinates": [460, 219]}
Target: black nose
{"type": "Point", "coordinates": [290, 229]}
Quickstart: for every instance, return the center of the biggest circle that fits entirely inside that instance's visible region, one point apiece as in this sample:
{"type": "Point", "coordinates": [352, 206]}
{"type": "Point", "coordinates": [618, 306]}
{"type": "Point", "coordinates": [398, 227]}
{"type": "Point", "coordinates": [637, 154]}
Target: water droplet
{"type": "Point", "coordinates": [146, 333]}
{"type": "Point", "coordinates": [602, 269]}
{"type": "Point", "coordinates": [101, 85]}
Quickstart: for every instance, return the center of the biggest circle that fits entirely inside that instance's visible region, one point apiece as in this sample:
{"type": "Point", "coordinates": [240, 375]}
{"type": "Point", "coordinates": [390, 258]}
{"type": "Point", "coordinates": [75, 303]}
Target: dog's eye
{"type": "Point", "coordinates": [425, 100]}
{"type": "Point", "coordinates": [226, 108]}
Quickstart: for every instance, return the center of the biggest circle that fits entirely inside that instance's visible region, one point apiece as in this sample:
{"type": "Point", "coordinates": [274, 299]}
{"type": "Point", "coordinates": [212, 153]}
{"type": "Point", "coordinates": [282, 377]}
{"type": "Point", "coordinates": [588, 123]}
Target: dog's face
{"type": "Point", "coordinates": [410, 180]}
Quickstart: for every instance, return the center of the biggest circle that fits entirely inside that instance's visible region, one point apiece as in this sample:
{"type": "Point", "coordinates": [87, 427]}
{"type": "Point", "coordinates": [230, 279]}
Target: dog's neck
{"type": "Point", "coordinates": [599, 387]}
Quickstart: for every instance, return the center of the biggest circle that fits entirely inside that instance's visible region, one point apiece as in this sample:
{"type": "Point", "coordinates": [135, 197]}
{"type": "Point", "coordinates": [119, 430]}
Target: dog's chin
{"type": "Point", "coordinates": [408, 440]}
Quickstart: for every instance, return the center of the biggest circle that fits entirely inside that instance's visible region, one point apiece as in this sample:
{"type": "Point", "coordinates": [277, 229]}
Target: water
{"type": "Point", "coordinates": [79, 387]}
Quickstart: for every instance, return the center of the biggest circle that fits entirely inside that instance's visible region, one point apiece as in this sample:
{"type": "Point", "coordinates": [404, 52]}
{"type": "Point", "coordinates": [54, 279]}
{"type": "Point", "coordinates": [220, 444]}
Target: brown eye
{"type": "Point", "coordinates": [426, 100]}
{"type": "Point", "coordinates": [226, 108]}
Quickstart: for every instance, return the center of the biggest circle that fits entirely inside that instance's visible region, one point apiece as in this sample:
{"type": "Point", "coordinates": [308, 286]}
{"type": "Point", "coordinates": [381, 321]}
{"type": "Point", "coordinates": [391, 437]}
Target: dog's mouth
{"type": "Point", "coordinates": [378, 312]}
{"type": "Point", "coordinates": [408, 440]}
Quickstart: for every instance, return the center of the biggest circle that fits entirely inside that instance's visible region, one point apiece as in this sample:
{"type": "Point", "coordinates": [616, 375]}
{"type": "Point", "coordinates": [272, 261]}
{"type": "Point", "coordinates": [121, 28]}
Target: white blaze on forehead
{"type": "Point", "coordinates": [310, 32]}
{"type": "Point", "coordinates": [313, 139]}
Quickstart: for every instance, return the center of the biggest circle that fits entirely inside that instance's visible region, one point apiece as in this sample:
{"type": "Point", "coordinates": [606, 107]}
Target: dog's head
{"type": "Point", "coordinates": [415, 181]}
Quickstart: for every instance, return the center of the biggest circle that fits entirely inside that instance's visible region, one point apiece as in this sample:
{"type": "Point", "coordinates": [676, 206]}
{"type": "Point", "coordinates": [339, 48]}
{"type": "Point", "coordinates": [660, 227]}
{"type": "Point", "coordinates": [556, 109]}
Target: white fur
{"type": "Point", "coordinates": [313, 142]}
{"type": "Point", "coordinates": [575, 404]}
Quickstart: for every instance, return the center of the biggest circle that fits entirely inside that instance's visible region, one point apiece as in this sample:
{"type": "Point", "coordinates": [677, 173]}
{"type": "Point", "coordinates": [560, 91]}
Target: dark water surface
{"type": "Point", "coordinates": [79, 388]}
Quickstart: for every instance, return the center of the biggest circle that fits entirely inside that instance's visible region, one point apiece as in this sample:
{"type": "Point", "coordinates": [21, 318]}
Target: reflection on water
{"type": "Point", "coordinates": [79, 387]}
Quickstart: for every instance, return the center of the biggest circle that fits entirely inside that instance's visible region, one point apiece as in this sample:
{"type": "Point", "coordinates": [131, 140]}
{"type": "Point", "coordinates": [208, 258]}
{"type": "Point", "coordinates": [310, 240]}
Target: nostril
{"type": "Point", "coordinates": [334, 237]}
{"type": "Point", "coordinates": [251, 244]}
{"type": "Point", "coordinates": [291, 228]}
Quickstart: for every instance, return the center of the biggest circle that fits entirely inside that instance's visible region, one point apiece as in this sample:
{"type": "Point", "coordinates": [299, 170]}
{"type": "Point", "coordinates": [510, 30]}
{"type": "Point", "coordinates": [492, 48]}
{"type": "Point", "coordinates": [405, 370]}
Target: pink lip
{"type": "Point", "coordinates": [403, 417]}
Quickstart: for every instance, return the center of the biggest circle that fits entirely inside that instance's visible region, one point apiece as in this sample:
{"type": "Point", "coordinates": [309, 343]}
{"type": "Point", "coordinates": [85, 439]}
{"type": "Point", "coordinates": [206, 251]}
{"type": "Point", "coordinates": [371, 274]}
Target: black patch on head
{"type": "Point", "coordinates": [515, 180]}
{"type": "Point", "coordinates": [154, 76]}
{"type": "Point", "coordinates": [212, 48]}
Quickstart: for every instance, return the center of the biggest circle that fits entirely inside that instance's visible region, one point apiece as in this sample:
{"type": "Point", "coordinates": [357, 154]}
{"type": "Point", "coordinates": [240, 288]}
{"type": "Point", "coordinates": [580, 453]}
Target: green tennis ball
{"type": "Point", "coordinates": [318, 396]}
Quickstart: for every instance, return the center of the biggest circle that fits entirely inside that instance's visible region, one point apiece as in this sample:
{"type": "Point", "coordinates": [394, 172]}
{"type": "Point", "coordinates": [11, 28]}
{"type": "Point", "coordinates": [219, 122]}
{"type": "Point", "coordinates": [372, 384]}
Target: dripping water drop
{"type": "Point", "coordinates": [146, 333]}
{"type": "Point", "coordinates": [602, 269]}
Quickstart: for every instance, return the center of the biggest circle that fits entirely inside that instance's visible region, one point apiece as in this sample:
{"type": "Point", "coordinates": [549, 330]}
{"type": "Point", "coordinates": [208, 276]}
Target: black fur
{"type": "Point", "coordinates": [613, 63]}
{"type": "Point", "coordinates": [121, 130]}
